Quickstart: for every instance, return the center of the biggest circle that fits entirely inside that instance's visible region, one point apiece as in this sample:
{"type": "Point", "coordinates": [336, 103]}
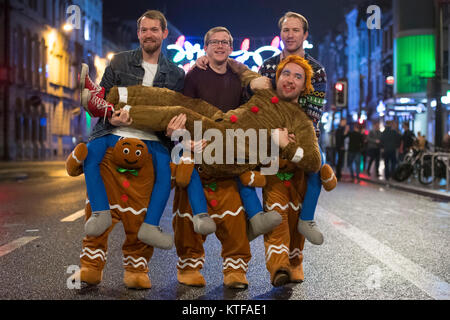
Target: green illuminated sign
{"type": "Point", "coordinates": [414, 63]}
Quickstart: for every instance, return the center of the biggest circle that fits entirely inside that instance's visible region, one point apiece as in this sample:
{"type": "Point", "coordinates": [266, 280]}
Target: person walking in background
{"type": "Point", "coordinates": [407, 140]}
{"type": "Point", "coordinates": [373, 148]}
{"type": "Point", "coordinates": [355, 145]}
{"type": "Point", "coordinates": [446, 142]}
{"type": "Point", "coordinates": [340, 147]}
{"type": "Point", "coordinates": [421, 142]}
{"type": "Point", "coordinates": [390, 141]}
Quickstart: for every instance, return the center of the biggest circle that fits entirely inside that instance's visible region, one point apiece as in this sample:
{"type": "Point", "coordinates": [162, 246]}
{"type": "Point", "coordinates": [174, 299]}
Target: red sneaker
{"type": "Point", "coordinates": [96, 106]}
{"type": "Point", "coordinates": [87, 83]}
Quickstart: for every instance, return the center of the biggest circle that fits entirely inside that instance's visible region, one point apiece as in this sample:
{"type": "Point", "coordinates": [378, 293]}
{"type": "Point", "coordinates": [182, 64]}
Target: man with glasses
{"type": "Point", "coordinates": [203, 83]}
{"type": "Point", "coordinates": [218, 85]}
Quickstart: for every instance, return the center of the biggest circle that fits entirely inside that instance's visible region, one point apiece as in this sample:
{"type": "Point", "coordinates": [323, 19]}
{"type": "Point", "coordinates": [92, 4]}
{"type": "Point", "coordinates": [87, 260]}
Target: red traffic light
{"type": "Point", "coordinates": [339, 87]}
{"type": "Point", "coordinates": [390, 80]}
{"type": "Point", "coordinates": [340, 93]}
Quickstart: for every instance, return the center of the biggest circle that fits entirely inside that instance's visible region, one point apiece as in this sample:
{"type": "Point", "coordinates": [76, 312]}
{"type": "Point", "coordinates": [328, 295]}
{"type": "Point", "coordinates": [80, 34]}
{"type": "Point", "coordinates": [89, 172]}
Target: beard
{"type": "Point", "coordinates": [150, 46]}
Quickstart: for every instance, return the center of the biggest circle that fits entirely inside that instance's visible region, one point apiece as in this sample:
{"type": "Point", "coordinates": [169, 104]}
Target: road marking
{"type": "Point", "coordinates": [77, 215]}
{"type": "Point", "coordinates": [424, 280]}
{"type": "Point", "coordinates": [9, 247]}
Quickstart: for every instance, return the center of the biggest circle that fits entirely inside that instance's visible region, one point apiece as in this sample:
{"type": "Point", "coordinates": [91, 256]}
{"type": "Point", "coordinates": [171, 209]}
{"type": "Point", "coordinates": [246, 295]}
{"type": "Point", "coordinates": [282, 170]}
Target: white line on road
{"type": "Point", "coordinates": [77, 215]}
{"type": "Point", "coordinates": [424, 280]}
{"type": "Point", "coordinates": [9, 247]}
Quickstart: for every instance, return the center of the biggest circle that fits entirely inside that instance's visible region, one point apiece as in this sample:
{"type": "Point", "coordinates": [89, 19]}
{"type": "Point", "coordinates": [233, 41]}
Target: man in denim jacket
{"type": "Point", "coordinates": [143, 66]}
{"type": "Point", "coordinates": [126, 70]}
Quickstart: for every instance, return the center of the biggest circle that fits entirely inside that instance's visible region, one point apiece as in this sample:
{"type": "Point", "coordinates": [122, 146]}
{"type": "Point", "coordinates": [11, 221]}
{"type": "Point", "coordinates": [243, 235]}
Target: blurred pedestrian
{"type": "Point", "coordinates": [390, 141]}
{"type": "Point", "coordinates": [373, 148]}
{"type": "Point", "coordinates": [340, 147]}
{"type": "Point", "coordinates": [446, 143]}
{"type": "Point", "coordinates": [407, 140]}
{"type": "Point", "coordinates": [421, 142]}
{"type": "Point", "coordinates": [355, 145]}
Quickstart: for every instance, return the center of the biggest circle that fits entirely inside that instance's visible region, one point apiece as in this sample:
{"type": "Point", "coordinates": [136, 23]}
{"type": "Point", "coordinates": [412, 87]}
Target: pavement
{"type": "Point", "coordinates": [21, 170]}
{"type": "Point", "coordinates": [381, 243]}
{"type": "Point", "coordinates": [437, 190]}
{"type": "Point", "coordinates": [24, 170]}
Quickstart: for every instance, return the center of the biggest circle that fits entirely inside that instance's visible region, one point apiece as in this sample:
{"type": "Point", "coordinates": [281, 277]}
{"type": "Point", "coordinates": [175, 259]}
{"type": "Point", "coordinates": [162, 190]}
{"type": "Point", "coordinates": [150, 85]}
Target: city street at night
{"type": "Point", "coordinates": [380, 243]}
{"type": "Point", "coordinates": [304, 144]}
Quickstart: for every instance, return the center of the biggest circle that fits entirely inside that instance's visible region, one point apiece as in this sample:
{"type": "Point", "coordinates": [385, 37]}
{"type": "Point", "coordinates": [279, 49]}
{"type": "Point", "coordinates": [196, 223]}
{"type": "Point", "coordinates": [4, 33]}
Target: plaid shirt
{"type": "Point", "coordinates": [312, 104]}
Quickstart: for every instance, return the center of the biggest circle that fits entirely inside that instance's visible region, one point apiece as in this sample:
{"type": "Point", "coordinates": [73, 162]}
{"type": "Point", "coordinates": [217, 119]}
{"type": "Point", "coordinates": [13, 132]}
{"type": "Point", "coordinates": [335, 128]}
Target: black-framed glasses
{"type": "Point", "coordinates": [215, 43]}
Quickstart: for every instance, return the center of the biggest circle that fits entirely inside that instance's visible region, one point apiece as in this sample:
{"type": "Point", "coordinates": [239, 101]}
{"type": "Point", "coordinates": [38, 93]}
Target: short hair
{"type": "Point", "coordinates": [215, 30]}
{"type": "Point", "coordinates": [291, 14]}
{"type": "Point", "coordinates": [305, 66]}
{"type": "Point", "coordinates": [154, 15]}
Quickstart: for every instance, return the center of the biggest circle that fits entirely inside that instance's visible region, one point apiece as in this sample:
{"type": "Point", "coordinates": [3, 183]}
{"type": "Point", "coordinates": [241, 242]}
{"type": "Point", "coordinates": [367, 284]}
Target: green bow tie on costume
{"type": "Point", "coordinates": [285, 176]}
{"type": "Point", "coordinates": [134, 172]}
{"type": "Point", "coordinates": [212, 186]}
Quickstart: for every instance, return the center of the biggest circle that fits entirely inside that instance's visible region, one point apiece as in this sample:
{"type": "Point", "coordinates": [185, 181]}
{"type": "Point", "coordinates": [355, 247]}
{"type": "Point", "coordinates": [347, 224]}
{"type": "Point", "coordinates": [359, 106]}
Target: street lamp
{"type": "Point", "coordinates": [67, 27]}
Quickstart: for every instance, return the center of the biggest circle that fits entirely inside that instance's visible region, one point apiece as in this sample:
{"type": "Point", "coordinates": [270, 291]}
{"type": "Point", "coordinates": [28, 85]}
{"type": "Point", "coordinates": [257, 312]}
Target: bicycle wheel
{"type": "Point", "coordinates": [425, 176]}
{"type": "Point", "coordinates": [403, 172]}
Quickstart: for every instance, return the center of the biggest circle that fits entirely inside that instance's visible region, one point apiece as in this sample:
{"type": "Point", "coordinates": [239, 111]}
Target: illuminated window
{"type": "Point", "coordinates": [414, 63]}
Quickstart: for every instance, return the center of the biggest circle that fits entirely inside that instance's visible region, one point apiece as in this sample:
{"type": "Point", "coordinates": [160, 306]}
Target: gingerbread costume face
{"type": "Point", "coordinates": [130, 153]}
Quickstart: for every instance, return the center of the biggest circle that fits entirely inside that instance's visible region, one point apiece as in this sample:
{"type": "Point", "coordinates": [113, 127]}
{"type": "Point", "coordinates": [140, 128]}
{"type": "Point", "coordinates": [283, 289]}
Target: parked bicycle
{"type": "Point", "coordinates": [432, 167]}
{"type": "Point", "coordinates": [409, 166]}
{"type": "Point", "coordinates": [419, 163]}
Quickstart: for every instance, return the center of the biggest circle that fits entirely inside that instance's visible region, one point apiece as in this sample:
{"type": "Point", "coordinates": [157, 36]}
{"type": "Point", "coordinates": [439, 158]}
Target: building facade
{"type": "Point", "coordinates": [44, 44]}
{"type": "Point", "coordinates": [390, 68]}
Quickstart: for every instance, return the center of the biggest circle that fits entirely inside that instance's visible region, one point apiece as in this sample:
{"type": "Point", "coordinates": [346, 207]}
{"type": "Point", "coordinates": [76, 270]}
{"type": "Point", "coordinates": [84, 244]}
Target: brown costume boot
{"type": "Point", "coordinates": [280, 278]}
{"type": "Point", "coordinates": [328, 177]}
{"type": "Point", "coordinates": [136, 280]}
{"type": "Point", "coordinates": [191, 278]}
{"type": "Point", "coordinates": [90, 276]}
{"type": "Point", "coordinates": [235, 280]}
{"type": "Point", "coordinates": [296, 274]}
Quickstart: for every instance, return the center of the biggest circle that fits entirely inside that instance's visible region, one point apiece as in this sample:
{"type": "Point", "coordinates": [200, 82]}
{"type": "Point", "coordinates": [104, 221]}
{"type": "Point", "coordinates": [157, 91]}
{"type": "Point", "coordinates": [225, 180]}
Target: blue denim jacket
{"type": "Point", "coordinates": [126, 70]}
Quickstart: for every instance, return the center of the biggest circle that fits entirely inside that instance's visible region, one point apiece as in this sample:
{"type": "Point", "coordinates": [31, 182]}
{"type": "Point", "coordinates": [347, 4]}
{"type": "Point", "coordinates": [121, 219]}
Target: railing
{"type": "Point", "coordinates": [444, 157]}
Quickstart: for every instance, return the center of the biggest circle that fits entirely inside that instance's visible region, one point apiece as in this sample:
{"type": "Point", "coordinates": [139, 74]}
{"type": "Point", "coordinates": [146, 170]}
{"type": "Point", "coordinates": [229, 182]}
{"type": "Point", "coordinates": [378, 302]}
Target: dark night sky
{"type": "Point", "coordinates": [243, 17]}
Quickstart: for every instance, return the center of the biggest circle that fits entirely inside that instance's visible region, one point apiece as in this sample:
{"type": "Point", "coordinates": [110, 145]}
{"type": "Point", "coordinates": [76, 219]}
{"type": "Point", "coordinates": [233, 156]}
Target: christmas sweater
{"type": "Point", "coordinates": [312, 104]}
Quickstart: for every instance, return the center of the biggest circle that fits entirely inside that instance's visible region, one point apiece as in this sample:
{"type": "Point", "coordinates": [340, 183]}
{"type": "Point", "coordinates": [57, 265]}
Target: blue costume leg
{"type": "Point", "coordinates": [313, 189]}
{"type": "Point", "coordinates": [94, 182]}
{"type": "Point", "coordinates": [250, 200]}
{"type": "Point", "coordinates": [161, 187]}
{"type": "Point", "coordinates": [196, 194]}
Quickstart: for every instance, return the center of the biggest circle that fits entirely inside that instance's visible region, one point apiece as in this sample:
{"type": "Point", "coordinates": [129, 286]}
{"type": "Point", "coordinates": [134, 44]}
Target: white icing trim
{"type": "Point", "coordinates": [123, 94]}
{"type": "Point", "coordinates": [298, 155]}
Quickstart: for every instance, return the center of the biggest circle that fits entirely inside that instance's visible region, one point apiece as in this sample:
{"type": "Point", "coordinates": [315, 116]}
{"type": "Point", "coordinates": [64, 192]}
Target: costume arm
{"type": "Point", "coordinates": [305, 151]}
{"type": "Point", "coordinates": [157, 118]}
{"type": "Point", "coordinates": [244, 73]}
{"type": "Point", "coordinates": [151, 96]}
